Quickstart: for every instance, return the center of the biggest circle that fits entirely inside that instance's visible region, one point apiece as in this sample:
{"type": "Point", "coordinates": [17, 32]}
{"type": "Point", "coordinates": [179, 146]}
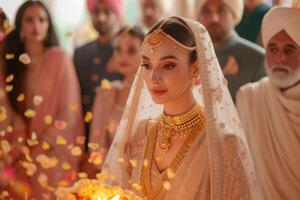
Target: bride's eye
{"type": "Point", "coordinates": [146, 66]}
{"type": "Point", "coordinates": [169, 66]}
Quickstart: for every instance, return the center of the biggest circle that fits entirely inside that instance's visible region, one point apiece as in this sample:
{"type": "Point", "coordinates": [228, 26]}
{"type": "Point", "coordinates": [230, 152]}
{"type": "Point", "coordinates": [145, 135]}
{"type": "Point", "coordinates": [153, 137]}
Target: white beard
{"type": "Point", "coordinates": [283, 79]}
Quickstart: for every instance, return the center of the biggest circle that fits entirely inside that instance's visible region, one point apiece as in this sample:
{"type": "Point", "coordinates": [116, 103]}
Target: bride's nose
{"type": "Point", "coordinates": [156, 75]}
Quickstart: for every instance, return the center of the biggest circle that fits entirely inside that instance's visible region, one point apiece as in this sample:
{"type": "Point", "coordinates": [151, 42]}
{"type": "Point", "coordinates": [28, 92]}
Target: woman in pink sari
{"type": "Point", "coordinates": [40, 108]}
{"type": "Point", "coordinates": [109, 102]}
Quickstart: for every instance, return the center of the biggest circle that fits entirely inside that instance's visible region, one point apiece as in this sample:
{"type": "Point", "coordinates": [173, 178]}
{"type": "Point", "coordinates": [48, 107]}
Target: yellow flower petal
{"type": "Point", "coordinates": [32, 142]}
{"type": "Point", "coordinates": [170, 173]}
{"type": "Point", "coordinates": [30, 113]}
{"type": "Point", "coordinates": [167, 185]}
{"type": "Point", "coordinates": [9, 78]}
{"type": "Point", "coordinates": [4, 194]}
{"type": "Point", "coordinates": [61, 140]}
{"type": "Point", "coordinates": [66, 166]}
{"type": "Point", "coordinates": [88, 117]}
{"type": "Point", "coordinates": [5, 146]}
{"type": "Point", "coordinates": [9, 56]}
{"type": "Point", "coordinates": [37, 100]}
{"type": "Point", "coordinates": [21, 97]}
{"type": "Point", "coordinates": [9, 88]}
{"type": "Point", "coordinates": [30, 168]}
{"type": "Point", "coordinates": [33, 136]}
{"type": "Point", "coordinates": [48, 120]}
{"type": "Point", "coordinates": [25, 59]}
{"type": "Point", "coordinates": [96, 158]}
{"type": "Point", "coordinates": [82, 175]}
{"type": "Point", "coordinates": [105, 84]}
{"type": "Point", "coordinates": [102, 176]}
{"type": "Point", "coordinates": [145, 163]}
{"type": "Point", "coordinates": [121, 160]}
{"type": "Point", "coordinates": [137, 186]}
{"type": "Point", "coordinates": [93, 146]}
{"type": "Point", "coordinates": [76, 151]}
{"type": "Point", "coordinates": [3, 113]}
{"type": "Point", "coordinates": [112, 126]}
{"type": "Point", "coordinates": [43, 180]}
{"type": "Point", "coordinates": [46, 162]}
{"type": "Point", "coordinates": [45, 145]}
{"type": "Point", "coordinates": [64, 183]}
{"type": "Point", "coordinates": [9, 129]}
{"type": "Point", "coordinates": [133, 162]}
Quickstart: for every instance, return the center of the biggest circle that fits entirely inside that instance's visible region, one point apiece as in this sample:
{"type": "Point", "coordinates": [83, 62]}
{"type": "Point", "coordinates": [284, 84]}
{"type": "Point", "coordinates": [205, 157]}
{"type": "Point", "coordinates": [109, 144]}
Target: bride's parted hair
{"type": "Point", "coordinates": [180, 31]}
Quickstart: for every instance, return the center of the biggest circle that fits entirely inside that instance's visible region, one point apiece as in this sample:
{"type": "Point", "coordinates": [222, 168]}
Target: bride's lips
{"type": "Point", "coordinates": [158, 92]}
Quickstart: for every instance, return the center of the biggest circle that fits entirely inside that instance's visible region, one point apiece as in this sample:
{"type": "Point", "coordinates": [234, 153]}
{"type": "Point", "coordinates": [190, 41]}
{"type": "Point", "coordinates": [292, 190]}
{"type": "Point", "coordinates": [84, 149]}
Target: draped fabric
{"type": "Point", "coordinates": [223, 146]}
{"type": "Point", "coordinates": [271, 119]}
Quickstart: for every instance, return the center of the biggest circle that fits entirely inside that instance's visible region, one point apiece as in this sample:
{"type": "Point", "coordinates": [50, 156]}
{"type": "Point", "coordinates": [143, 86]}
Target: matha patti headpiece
{"type": "Point", "coordinates": [158, 36]}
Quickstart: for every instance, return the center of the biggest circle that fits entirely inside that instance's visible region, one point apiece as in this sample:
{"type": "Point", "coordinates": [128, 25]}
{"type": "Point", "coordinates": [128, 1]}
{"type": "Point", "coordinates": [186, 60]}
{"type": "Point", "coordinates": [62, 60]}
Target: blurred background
{"type": "Point", "coordinates": [69, 15]}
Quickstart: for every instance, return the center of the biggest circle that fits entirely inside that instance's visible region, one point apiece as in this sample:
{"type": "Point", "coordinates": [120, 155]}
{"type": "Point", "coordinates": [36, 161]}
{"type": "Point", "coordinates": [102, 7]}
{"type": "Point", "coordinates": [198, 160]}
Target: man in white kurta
{"type": "Point", "coordinates": [270, 108]}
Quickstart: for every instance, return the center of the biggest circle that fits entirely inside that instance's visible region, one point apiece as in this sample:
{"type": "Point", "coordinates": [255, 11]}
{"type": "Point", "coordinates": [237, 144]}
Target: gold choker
{"type": "Point", "coordinates": [180, 125]}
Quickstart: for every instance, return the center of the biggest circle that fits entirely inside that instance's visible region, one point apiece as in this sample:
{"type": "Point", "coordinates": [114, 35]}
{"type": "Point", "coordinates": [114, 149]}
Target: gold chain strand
{"type": "Point", "coordinates": [159, 192]}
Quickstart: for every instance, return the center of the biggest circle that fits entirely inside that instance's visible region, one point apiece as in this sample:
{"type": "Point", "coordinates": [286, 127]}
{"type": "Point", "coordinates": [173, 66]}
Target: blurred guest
{"type": "Point", "coordinates": [270, 108]}
{"type": "Point", "coordinates": [109, 102]}
{"type": "Point", "coordinates": [249, 27]}
{"type": "Point", "coordinates": [183, 8]}
{"type": "Point", "coordinates": [151, 11]}
{"type": "Point", "coordinates": [281, 2]}
{"type": "Point", "coordinates": [4, 25]}
{"type": "Point", "coordinates": [240, 60]}
{"type": "Point", "coordinates": [91, 59]}
{"type": "Point", "coordinates": [40, 106]}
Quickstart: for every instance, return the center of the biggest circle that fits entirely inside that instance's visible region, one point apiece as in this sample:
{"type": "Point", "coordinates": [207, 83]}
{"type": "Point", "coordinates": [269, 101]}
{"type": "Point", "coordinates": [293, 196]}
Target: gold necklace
{"type": "Point", "coordinates": [179, 126]}
{"type": "Point", "coordinates": [159, 192]}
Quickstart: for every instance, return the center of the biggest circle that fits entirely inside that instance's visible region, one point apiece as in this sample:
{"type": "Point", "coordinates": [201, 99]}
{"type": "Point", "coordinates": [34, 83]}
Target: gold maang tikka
{"type": "Point", "coordinates": [157, 37]}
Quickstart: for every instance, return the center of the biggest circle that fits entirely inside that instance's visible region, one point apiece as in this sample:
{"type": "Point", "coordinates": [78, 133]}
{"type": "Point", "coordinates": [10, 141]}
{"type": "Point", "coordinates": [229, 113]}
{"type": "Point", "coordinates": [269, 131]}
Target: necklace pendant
{"type": "Point", "coordinates": [165, 142]}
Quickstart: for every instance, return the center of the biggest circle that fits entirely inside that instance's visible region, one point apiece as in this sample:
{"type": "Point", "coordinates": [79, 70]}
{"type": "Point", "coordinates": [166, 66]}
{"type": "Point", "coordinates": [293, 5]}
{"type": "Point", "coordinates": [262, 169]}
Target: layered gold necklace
{"type": "Point", "coordinates": [189, 124]}
{"type": "Point", "coordinates": [179, 126]}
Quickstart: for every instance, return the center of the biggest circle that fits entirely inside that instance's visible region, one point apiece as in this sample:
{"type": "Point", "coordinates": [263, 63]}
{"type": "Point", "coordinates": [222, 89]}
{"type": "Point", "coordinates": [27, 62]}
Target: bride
{"type": "Point", "coordinates": [176, 139]}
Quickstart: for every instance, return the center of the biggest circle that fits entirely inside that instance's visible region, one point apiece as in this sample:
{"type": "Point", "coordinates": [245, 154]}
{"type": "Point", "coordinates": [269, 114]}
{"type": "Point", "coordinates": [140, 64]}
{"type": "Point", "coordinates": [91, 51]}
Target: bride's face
{"type": "Point", "coordinates": [167, 72]}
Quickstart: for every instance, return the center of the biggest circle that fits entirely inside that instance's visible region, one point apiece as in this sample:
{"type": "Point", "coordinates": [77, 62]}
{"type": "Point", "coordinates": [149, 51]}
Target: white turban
{"type": "Point", "coordinates": [282, 18]}
{"type": "Point", "coordinates": [236, 6]}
